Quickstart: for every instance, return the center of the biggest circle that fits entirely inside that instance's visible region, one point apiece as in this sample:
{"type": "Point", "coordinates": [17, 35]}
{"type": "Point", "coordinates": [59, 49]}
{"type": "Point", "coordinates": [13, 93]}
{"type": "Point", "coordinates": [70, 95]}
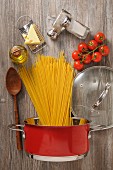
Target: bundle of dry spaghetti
{"type": "Point", "coordinates": [49, 84]}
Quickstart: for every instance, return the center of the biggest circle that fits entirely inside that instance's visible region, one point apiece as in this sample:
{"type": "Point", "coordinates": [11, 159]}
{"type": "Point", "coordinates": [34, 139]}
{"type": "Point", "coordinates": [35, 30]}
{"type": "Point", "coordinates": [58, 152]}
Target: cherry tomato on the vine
{"type": "Point", "coordinates": [104, 50]}
{"type": "Point", "coordinates": [100, 37]}
{"type": "Point", "coordinates": [87, 58]}
{"type": "Point", "coordinates": [82, 47]}
{"type": "Point", "coordinates": [94, 50]}
{"type": "Point", "coordinates": [76, 55]}
{"type": "Point", "coordinates": [96, 57]}
{"type": "Point", "coordinates": [78, 65]}
{"type": "Point", "coordinates": [92, 44]}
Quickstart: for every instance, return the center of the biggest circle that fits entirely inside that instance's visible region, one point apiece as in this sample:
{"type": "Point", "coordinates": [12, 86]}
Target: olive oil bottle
{"type": "Point", "coordinates": [18, 54]}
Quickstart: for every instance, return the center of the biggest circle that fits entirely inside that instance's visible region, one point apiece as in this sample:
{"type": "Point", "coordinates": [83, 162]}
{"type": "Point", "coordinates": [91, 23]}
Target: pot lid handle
{"type": "Point", "coordinates": [102, 96]}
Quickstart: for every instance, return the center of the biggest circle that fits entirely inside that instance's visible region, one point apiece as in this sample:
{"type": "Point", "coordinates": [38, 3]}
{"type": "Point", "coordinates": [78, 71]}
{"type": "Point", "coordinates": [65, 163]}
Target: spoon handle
{"type": "Point", "coordinates": [18, 134]}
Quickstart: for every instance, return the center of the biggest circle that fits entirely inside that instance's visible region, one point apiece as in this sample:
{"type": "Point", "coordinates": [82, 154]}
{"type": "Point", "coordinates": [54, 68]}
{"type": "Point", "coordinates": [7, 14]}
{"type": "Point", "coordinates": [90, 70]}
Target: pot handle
{"type": "Point", "coordinates": [13, 128]}
{"type": "Point", "coordinates": [95, 128]}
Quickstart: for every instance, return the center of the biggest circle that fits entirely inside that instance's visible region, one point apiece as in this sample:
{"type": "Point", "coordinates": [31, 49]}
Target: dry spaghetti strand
{"type": "Point", "coordinates": [49, 84]}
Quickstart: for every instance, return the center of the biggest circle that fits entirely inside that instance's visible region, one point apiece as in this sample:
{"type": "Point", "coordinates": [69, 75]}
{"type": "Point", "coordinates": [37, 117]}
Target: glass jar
{"type": "Point", "coordinates": [18, 54]}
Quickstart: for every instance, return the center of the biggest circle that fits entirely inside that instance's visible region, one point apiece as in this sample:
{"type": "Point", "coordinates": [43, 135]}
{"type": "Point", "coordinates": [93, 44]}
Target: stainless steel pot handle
{"type": "Point", "coordinates": [13, 127]}
{"type": "Point", "coordinates": [95, 128]}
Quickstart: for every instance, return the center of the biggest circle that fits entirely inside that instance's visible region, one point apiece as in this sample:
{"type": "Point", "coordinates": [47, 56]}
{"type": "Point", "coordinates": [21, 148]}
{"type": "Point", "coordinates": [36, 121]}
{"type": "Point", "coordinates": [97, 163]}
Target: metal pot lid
{"type": "Point", "coordinates": [92, 95]}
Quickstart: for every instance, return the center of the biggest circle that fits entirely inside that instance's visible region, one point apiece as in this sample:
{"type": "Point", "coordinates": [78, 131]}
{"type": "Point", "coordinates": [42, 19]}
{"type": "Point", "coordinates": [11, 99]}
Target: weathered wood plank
{"type": "Point", "coordinates": [98, 16]}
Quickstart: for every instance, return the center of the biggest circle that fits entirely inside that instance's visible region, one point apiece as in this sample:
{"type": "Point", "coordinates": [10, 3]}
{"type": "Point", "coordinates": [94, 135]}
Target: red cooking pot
{"type": "Point", "coordinates": [55, 143]}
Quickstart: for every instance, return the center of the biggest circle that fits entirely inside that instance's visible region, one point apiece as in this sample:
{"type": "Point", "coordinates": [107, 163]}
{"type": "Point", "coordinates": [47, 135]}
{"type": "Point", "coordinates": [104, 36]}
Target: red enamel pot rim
{"type": "Point", "coordinates": [49, 126]}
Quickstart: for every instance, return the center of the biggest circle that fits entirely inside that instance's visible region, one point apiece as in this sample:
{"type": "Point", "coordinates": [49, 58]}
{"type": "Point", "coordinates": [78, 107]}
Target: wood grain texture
{"type": "Point", "coordinates": [98, 15]}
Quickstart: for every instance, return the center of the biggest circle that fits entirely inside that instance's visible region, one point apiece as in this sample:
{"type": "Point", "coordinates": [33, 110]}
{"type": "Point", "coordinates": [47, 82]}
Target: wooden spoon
{"type": "Point", "coordinates": [13, 85]}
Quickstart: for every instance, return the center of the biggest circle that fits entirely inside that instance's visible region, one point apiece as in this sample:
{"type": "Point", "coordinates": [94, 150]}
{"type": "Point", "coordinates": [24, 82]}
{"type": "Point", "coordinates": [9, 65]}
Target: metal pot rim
{"type": "Point", "coordinates": [36, 118]}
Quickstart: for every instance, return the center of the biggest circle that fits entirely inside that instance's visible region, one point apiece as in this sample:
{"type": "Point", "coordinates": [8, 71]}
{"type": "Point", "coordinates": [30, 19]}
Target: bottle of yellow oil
{"type": "Point", "coordinates": [18, 54]}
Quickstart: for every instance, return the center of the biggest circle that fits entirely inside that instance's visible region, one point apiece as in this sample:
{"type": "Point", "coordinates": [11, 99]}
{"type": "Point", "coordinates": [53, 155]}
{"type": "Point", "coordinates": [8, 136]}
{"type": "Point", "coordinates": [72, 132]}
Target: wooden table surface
{"type": "Point", "coordinates": [95, 14]}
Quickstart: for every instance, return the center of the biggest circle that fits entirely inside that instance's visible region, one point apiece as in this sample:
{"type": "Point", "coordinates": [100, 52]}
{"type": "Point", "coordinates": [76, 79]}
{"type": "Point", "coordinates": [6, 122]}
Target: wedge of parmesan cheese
{"type": "Point", "coordinates": [32, 37]}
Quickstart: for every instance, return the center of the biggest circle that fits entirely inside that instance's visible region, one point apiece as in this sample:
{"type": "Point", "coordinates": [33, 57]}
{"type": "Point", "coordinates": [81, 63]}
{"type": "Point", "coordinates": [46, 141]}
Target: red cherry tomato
{"type": "Point", "coordinates": [78, 65]}
{"type": "Point", "coordinates": [104, 50]}
{"type": "Point", "coordinates": [96, 57]}
{"type": "Point", "coordinates": [76, 55]}
{"type": "Point", "coordinates": [99, 37]}
{"type": "Point", "coordinates": [92, 44]}
{"type": "Point", "coordinates": [82, 47]}
{"type": "Point", "coordinates": [87, 58]}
